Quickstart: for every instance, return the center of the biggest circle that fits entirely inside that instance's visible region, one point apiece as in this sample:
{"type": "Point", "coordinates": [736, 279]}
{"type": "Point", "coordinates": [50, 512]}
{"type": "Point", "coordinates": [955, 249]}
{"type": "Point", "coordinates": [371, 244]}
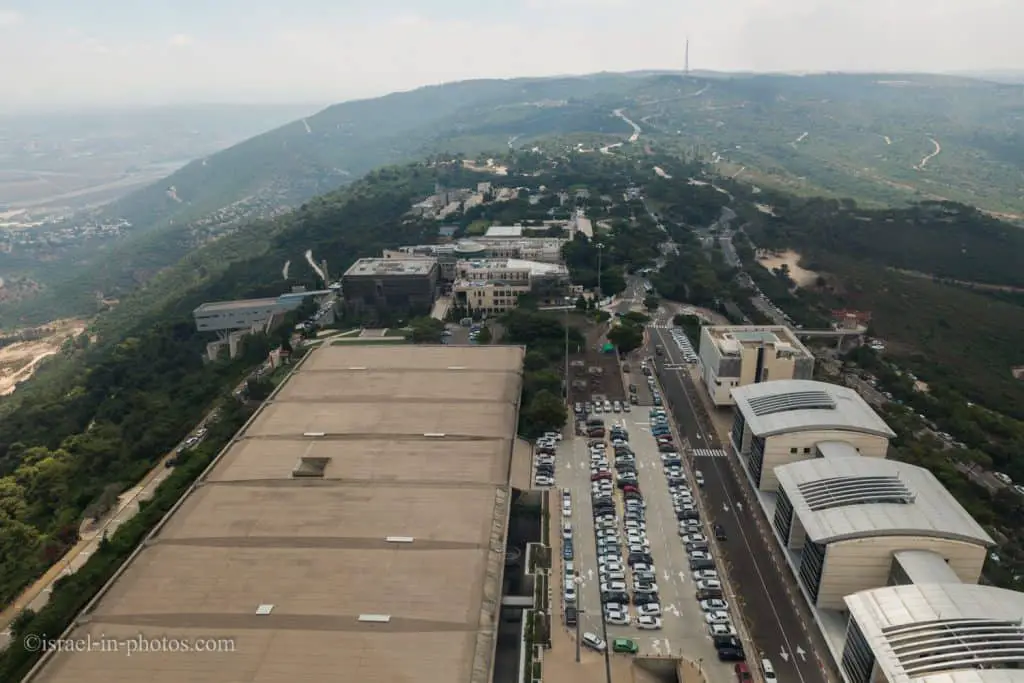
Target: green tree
{"type": "Point", "coordinates": [651, 302]}
{"type": "Point", "coordinates": [485, 335]}
{"type": "Point", "coordinates": [425, 330]}
{"type": "Point", "coordinates": [626, 337]}
{"type": "Point", "coordinates": [545, 412]}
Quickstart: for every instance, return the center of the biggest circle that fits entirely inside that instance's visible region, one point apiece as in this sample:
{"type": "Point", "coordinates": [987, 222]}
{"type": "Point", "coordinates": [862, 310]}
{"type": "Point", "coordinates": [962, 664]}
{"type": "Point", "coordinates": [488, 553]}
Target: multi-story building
{"type": "Point", "coordinates": [495, 285]}
{"type": "Point", "coordinates": [246, 314]}
{"type": "Point", "coordinates": [408, 285]}
{"type": "Point", "coordinates": [543, 249]}
{"type": "Point", "coordinates": [737, 355]}
{"type": "Point", "coordinates": [885, 557]}
{"type": "Point", "coordinates": [786, 421]}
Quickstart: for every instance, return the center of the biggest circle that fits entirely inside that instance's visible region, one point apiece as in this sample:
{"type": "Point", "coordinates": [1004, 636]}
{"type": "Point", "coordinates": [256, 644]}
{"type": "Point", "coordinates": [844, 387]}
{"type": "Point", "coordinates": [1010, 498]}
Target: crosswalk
{"type": "Point", "coordinates": [662, 325]}
{"type": "Point", "coordinates": [708, 453]}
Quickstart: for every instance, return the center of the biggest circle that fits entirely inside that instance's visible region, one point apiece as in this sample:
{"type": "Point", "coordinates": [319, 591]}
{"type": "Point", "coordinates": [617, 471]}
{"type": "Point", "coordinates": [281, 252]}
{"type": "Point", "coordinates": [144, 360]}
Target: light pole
{"type": "Point", "coordinates": [566, 326]}
{"type": "Point", "coordinates": [578, 580]}
{"type": "Point", "coordinates": [600, 250]}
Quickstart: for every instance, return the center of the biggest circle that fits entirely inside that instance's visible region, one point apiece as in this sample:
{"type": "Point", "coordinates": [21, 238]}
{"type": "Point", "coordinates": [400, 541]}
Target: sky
{"type": "Point", "coordinates": [66, 54]}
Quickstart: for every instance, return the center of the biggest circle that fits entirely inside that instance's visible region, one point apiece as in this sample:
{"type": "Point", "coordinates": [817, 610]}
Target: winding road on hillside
{"type": "Point", "coordinates": [607, 149]}
{"type": "Point", "coordinates": [928, 157]}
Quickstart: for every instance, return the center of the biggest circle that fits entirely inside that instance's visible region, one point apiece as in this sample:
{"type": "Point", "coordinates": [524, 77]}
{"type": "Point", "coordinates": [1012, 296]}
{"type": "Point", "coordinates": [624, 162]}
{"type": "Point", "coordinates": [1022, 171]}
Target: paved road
{"type": "Point", "coordinates": [775, 623]}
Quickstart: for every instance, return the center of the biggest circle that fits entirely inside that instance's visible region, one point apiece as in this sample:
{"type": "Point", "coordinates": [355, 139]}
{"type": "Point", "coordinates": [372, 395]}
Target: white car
{"type": "Point", "coordinates": [705, 575]}
{"type": "Point", "coordinates": [714, 605]}
{"type": "Point", "coordinates": [695, 538]}
{"type": "Point", "coordinates": [700, 555]}
{"type": "Point", "coordinates": [721, 630]}
{"type": "Point", "coordinates": [613, 587]}
{"type": "Point", "coordinates": [717, 617]}
{"type": "Point", "coordinates": [709, 585]}
{"type": "Point", "coordinates": [612, 576]}
{"type": "Point", "coordinates": [567, 530]}
{"type": "Point", "coordinates": [651, 609]}
{"type": "Point", "coordinates": [543, 481]}
{"type": "Point", "coordinates": [567, 509]}
{"type": "Point", "coordinates": [593, 642]}
{"type": "Point", "coordinates": [617, 618]}
{"type": "Point", "coordinates": [648, 623]}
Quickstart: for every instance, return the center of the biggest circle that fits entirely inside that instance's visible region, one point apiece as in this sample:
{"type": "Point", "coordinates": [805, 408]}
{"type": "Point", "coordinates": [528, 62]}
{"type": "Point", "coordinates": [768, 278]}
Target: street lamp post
{"type": "Point", "coordinates": [600, 250]}
{"type": "Point", "coordinates": [578, 580]}
{"type": "Point", "coordinates": [566, 330]}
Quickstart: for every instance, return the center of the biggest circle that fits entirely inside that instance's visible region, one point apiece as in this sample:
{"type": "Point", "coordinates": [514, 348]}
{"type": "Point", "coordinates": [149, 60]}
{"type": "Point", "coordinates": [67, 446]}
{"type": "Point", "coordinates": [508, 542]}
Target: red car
{"type": "Point", "coordinates": [600, 475]}
{"type": "Point", "coordinates": [742, 673]}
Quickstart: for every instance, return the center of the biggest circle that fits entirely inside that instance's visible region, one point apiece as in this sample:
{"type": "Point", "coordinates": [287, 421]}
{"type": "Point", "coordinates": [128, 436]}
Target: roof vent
{"type": "Point", "coordinates": [313, 434]}
{"type": "Point", "coordinates": [399, 539]}
{"type": "Point", "coordinates": [264, 609]}
{"type": "Point", "coordinates": [375, 618]}
{"type": "Point", "coordinates": [434, 435]}
{"type": "Point", "coordinates": [310, 467]}
{"type": "Point", "coordinates": [357, 367]}
{"type": "Point", "coordinates": [456, 367]}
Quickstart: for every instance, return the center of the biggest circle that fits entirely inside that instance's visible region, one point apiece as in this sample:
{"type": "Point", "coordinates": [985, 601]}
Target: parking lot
{"type": "Point", "coordinates": [673, 623]}
{"type": "Point", "coordinates": [594, 372]}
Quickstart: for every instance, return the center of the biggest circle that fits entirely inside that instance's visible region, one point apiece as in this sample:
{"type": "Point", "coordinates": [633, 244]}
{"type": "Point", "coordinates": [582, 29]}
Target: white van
{"type": "Point", "coordinates": [769, 671]}
{"type": "Point", "coordinates": [593, 642]}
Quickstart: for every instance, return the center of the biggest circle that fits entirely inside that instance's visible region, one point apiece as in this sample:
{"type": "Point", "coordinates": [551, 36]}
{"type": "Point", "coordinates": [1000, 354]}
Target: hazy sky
{"type": "Point", "coordinates": [73, 52]}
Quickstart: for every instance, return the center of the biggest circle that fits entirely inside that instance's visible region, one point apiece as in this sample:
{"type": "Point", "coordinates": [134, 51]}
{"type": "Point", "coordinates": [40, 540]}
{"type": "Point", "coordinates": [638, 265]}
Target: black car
{"type": "Point", "coordinates": [720, 533]}
{"type": "Point", "coordinates": [702, 564]}
{"type": "Point", "coordinates": [639, 558]}
{"type": "Point", "coordinates": [728, 643]}
{"type": "Point", "coordinates": [731, 655]}
{"type": "Point", "coordinates": [700, 546]}
{"type": "Point", "coordinates": [570, 616]}
{"type": "Point", "coordinates": [645, 598]}
{"type": "Point", "coordinates": [615, 596]}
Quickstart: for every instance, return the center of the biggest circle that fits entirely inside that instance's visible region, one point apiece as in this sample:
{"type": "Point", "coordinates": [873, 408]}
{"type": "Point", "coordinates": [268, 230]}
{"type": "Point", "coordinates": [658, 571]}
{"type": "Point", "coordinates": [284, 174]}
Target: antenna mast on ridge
{"type": "Point", "coordinates": [686, 63]}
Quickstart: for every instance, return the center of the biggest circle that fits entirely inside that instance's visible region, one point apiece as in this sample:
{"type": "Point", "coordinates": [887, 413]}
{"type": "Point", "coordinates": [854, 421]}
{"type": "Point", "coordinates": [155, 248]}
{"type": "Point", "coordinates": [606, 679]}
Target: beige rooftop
{"type": "Point", "coordinates": [362, 510]}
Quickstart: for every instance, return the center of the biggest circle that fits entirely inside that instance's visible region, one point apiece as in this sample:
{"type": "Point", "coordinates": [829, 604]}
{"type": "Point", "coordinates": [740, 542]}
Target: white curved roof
{"type": "Point", "coordinates": [795, 405]}
{"type": "Point", "coordinates": [943, 633]}
{"type": "Point", "coordinates": [838, 499]}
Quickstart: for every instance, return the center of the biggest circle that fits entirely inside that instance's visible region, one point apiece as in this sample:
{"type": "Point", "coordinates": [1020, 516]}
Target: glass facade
{"type": "Point", "coordinates": [812, 563]}
{"type": "Point", "coordinates": [783, 516]}
{"type": "Point", "coordinates": [738, 425]}
{"type": "Point", "coordinates": [756, 458]}
{"type": "Point", "coordinates": [858, 659]}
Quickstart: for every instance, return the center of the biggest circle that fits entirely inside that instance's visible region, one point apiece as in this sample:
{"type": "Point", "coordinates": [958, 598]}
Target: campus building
{"type": "Point", "coordinates": [395, 284]}
{"type": "Point", "coordinates": [495, 285]}
{"type": "Point", "coordinates": [851, 523]}
{"type": "Point", "coordinates": [781, 422]}
{"type": "Point", "coordinates": [934, 631]}
{"type": "Point", "coordinates": [733, 356]}
{"type": "Point", "coordinates": [353, 530]}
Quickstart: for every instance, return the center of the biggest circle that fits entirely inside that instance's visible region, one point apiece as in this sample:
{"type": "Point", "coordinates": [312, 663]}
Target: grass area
{"type": "Point", "coordinates": [478, 227]}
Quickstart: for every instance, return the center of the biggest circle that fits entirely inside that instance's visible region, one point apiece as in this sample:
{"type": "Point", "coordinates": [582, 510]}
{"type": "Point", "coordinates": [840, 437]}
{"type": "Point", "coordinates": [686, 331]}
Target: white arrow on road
{"type": "Point", "coordinates": [568, 465]}
{"type": "Point", "coordinates": [739, 507]}
{"type": "Point", "coordinates": [665, 572]}
{"type": "Point", "coordinates": [784, 655]}
{"type": "Point", "coordinates": [725, 508]}
{"type": "Point", "coordinates": [668, 647]}
{"type": "Point", "coordinates": [590, 574]}
{"type": "Point", "coordinates": [801, 653]}
{"type": "Point", "coordinates": [682, 577]}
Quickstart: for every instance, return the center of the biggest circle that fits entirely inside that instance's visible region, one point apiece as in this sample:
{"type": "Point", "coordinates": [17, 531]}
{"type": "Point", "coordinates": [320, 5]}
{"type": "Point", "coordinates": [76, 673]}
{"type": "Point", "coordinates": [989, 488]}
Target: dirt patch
{"type": "Point", "coordinates": [19, 360]}
{"type": "Point", "coordinates": [593, 372]}
{"type": "Point", "coordinates": [791, 259]}
{"type": "Point", "coordinates": [1018, 372]}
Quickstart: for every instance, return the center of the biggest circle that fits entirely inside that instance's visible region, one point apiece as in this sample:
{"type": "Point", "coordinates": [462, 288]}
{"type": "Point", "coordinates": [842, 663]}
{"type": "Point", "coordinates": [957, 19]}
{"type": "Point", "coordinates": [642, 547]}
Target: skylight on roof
{"type": "Point", "coordinates": [796, 400]}
{"type": "Point", "coordinates": [836, 492]}
{"type": "Point", "coordinates": [955, 644]}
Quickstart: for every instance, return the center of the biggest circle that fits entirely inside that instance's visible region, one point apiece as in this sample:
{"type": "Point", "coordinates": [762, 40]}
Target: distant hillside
{"type": "Point", "coordinates": [882, 139]}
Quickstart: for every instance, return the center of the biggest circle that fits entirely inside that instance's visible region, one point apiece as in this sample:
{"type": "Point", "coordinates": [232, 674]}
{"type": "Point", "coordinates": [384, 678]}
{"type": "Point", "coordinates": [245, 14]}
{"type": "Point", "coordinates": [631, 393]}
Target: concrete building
{"type": "Point", "coordinates": [353, 530]}
{"type": "Point", "coordinates": [786, 421]}
{"type": "Point", "coordinates": [934, 633]}
{"type": "Point", "coordinates": [737, 355]}
{"type": "Point", "coordinates": [243, 314]}
{"type": "Point", "coordinates": [848, 522]}
{"type": "Point", "coordinates": [495, 285]}
{"type": "Point", "coordinates": [401, 285]}
{"type": "Point", "coordinates": [504, 232]}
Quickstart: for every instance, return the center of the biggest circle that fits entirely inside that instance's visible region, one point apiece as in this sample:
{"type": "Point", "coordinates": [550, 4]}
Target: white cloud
{"type": "Point", "coordinates": [9, 17]}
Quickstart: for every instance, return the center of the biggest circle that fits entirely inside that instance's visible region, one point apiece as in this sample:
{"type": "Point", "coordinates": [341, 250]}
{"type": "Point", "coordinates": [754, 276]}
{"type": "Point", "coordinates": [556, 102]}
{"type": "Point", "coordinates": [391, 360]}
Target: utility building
{"type": "Point", "coordinates": [846, 521]}
{"type": "Point", "coordinates": [781, 422]}
{"type": "Point", "coordinates": [395, 284]}
{"type": "Point", "coordinates": [934, 633]}
{"type": "Point", "coordinates": [737, 355]}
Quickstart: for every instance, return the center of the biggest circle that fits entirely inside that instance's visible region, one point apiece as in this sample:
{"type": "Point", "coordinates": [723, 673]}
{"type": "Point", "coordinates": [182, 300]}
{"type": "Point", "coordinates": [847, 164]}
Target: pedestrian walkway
{"type": "Point", "coordinates": [708, 453]}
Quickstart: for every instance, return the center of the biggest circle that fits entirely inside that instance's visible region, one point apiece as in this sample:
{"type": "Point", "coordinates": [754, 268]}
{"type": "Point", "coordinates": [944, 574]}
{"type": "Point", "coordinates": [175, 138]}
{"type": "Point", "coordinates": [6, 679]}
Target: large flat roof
{"type": "Point", "coordinates": [795, 405]}
{"type": "Point", "coordinates": [406, 524]}
{"type": "Point", "coordinates": [413, 265]}
{"type": "Point", "coordinates": [731, 338]}
{"type": "Point", "coordinates": [943, 633]}
{"type": "Point", "coordinates": [838, 499]}
{"type": "Point", "coordinates": [218, 306]}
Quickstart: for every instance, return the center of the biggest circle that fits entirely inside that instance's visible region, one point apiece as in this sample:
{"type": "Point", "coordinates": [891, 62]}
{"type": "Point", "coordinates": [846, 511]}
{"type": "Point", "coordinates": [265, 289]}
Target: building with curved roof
{"type": "Point", "coordinates": [847, 517]}
{"type": "Point", "coordinates": [934, 633]}
{"type": "Point", "coordinates": [780, 422]}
